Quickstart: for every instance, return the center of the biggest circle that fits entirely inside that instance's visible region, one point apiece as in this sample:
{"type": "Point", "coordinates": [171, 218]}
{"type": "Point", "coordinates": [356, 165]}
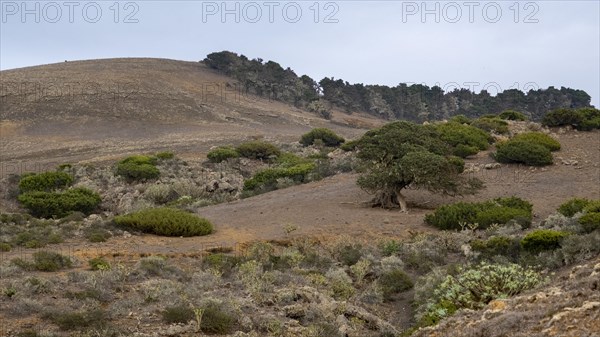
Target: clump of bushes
{"type": "Point", "coordinates": [178, 314]}
{"type": "Point", "coordinates": [59, 204]}
{"type": "Point", "coordinates": [465, 140]}
{"type": "Point", "coordinates": [542, 239]}
{"type": "Point", "coordinates": [266, 180]}
{"type": "Point", "coordinates": [539, 138]}
{"type": "Point", "coordinates": [258, 150]}
{"type": "Point", "coordinates": [475, 287]}
{"type": "Point", "coordinates": [484, 214]}
{"type": "Point", "coordinates": [44, 261]}
{"type": "Point", "coordinates": [512, 115]}
{"type": "Point", "coordinates": [460, 119]}
{"type": "Point", "coordinates": [497, 246]}
{"type": "Point", "coordinates": [138, 167]}
{"type": "Point", "coordinates": [490, 124]}
{"type": "Point", "coordinates": [215, 320]}
{"type": "Point", "coordinates": [590, 220]}
{"type": "Point", "coordinates": [45, 182]}
{"type": "Point", "coordinates": [326, 136]}
{"type": "Point", "coordinates": [573, 206]}
{"type": "Point", "coordinates": [96, 318]}
{"type": "Point", "coordinates": [165, 221]}
{"type": "Point", "coordinates": [166, 155]}
{"type": "Point", "coordinates": [222, 153]}
{"type": "Point", "coordinates": [584, 119]}
{"type": "Point", "coordinates": [523, 152]}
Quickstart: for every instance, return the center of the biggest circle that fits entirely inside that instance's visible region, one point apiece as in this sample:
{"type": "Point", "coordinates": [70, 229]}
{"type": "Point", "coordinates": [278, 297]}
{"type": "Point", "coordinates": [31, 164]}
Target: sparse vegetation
{"type": "Point", "coordinates": [165, 221]}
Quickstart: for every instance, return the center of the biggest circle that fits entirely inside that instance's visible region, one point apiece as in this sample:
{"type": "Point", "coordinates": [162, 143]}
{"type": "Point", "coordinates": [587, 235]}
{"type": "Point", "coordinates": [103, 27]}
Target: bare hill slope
{"type": "Point", "coordinates": [103, 108]}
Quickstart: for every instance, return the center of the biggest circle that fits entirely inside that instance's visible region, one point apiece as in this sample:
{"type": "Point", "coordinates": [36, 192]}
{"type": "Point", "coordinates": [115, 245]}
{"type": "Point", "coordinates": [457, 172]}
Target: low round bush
{"type": "Point", "coordinates": [542, 239]}
{"type": "Point", "coordinates": [461, 119]}
{"type": "Point", "coordinates": [497, 246]}
{"type": "Point", "coordinates": [590, 221]}
{"type": "Point", "coordinates": [60, 204]}
{"type": "Point", "coordinates": [178, 314]}
{"type": "Point", "coordinates": [512, 115]}
{"type": "Point", "coordinates": [216, 321]}
{"type": "Point", "coordinates": [258, 150]}
{"type": "Point", "coordinates": [497, 211]}
{"type": "Point", "coordinates": [465, 139]}
{"type": "Point", "coordinates": [328, 137]}
{"type": "Point", "coordinates": [46, 182]}
{"type": "Point", "coordinates": [165, 221]}
{"type": "Point", "coordinates": [221, 154]}
{"type": "Point", "coordinates": [539, 138]}
{"type": "Point", "coordinates": [560, 117]}
{"type": "Point", "coordinates": [523, 152]}
{"type": "Point", "coordinates": [139, 167]}
{"type": "Point", "coordinates": [393, 282]}
{"type": "Point", "coordinates": [573, 206]}
{"type": "Point", "coordinates": [266, 179]}
{"type": "Point", "coordinates": [490, 124]}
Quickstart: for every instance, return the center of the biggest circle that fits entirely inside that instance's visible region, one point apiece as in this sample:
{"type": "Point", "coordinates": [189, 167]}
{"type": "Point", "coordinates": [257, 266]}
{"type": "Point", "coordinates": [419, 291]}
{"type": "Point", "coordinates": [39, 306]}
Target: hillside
{"type": "Point", "coordinates": [96, 109]}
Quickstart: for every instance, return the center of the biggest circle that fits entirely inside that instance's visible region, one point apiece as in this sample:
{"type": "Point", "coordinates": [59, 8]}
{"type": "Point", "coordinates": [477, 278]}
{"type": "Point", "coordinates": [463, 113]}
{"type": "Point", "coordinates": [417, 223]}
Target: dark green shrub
{"type": "Point", "coordinates": [349, 146]}
{"type": "Point", "coordinates": [215, 320]}
{"type": "Point", "coordinates": [221, 154]}
{"type": "Point", "coordinates": [524, 152]}
{"type": "Point", "coordinates": [50, 261]}
{"type": "Point", "coordinates": [502, 215]}
{"type": "Point", "coordinates": [328, 137]}
{"type": "Point", "coordinates": [138, 167]}
{"type": "Point", "coordinates": [463, 151]}
{"type": "Point", "coordinates": [497, 211]}
{"type": "Point", "coordinates": [590, 221]}
{"type": "Point", "coordinates": [573, 206]}
{"type": "Point", "coordinates": [77, 320]}
{"type": "Point", "coordinates": [258, 150]}
{"type": "Point", "coordinates": [560, 117]}
{"type": "Point", "coordinates": [465, 139]}
{"type": "Point", "coordinates": [165, 155]}
{"type": "Point", "coordinates": [542, 239]}
{"type": "Point", "coordinates": [497, 246]}
{"type": "Point", "coordinates": [491, 124]}
{"type": "Point", "coordinates": [390, 247]}
{"type": "Point", "coordinates": [591, 119]}
{"type": "Point", "coordinates": [97, 235]}
{"type": "Point", "coordinates": [267, 179]}
{"type": "Point", "coordinates": [99, 263]}
{"type": "Point", "coordinates": [221, 262]}
{"type": "Point", "coordinates": [165, 221]}
{"type": "Point", "coordinates": [461, 119]}
{"type": "Point", "coordinates": [539, 138]}
{"type": "Point", "coordinates": [178, 314]}
{"type": "Point", "coordinates": [5, 247]}
{"type": "Point", "coordinates": [512, 115]}
{"type": "Point", "coordinates": [350, 254]}
{"type": "Point", "coordinates": [60, 204]}
{"type": "Point", "coordinates": [394, 282]}
{"type": "Point", "coordinates": [45, 182]}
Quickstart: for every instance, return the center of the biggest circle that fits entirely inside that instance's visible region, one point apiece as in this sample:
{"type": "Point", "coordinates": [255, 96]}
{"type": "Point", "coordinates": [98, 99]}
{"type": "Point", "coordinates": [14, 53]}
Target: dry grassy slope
{"type": "Point", "coordinates": [101, 109]}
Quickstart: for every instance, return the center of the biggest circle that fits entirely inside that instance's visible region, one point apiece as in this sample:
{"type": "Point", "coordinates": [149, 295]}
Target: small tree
{"type": "Point", "coordinates": [403, 154]}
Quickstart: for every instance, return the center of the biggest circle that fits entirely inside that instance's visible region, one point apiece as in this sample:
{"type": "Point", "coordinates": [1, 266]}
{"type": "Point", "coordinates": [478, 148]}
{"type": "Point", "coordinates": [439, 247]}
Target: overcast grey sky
{"type": "Point", "coordinates": [471, 44]}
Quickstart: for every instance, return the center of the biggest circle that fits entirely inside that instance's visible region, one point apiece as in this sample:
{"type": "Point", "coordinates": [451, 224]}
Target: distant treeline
{"type": "Point", "coordinates": [415, 102]}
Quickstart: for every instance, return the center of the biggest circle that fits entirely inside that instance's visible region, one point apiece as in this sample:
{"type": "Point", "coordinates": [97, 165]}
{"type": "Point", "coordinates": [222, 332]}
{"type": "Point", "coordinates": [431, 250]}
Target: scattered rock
{"type": "Point", "coordinates": [492, 166]}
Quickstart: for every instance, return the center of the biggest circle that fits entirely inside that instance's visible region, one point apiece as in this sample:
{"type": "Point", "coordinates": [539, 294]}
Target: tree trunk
{"type": "Point", "coordinates": [401, 201]}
